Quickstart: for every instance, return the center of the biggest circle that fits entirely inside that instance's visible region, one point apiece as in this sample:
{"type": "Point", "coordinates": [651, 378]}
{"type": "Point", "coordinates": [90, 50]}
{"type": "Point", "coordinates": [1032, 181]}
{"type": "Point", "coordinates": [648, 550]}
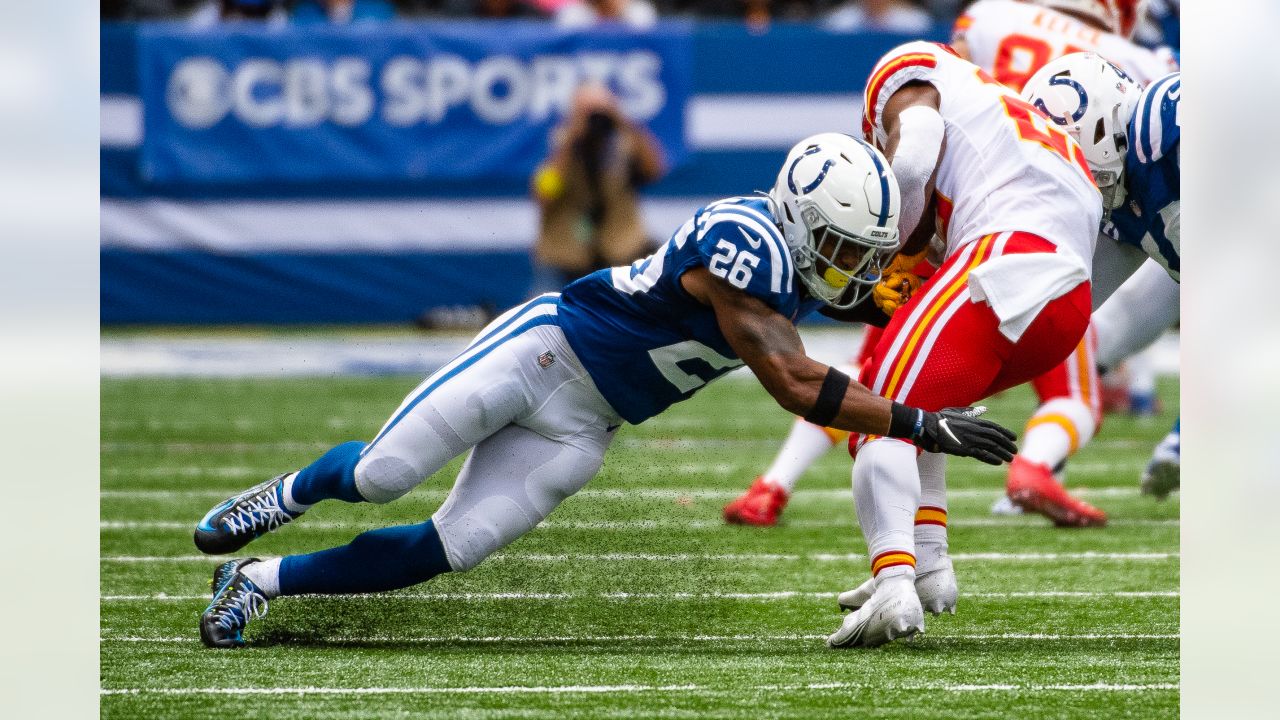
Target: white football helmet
{"type": "Point", "coordinates": [1117, 16]}
{"type": "Point", "coordinates": [837, 201]}
{"type": "Point", "coordinates": [1092, 100]}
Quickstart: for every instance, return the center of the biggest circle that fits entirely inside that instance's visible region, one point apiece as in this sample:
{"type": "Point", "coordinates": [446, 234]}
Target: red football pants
{"type": "Point", "coordinates": [942, 349]}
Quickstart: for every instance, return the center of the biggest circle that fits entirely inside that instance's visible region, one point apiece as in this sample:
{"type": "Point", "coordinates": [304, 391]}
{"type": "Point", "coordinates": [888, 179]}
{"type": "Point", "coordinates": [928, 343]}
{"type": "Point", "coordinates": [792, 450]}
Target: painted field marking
{"type": "Point", "coordinates": [794, 637]}
{"type": "Point", "coordinates": [623, 525]}
{"type": "Point", "coordinates": [646, 492]}
{"type": "Point", "coordinates": [625, 596]}
{"type": "Point", "coordinates": [723, 557]}
{"type": "Point", "coordinates": [587, 689]}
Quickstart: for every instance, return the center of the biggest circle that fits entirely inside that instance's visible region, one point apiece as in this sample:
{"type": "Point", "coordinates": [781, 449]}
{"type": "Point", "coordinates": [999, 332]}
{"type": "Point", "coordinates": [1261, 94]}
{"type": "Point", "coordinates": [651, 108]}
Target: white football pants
{"type": "Point", "coordinates": [539, 427]}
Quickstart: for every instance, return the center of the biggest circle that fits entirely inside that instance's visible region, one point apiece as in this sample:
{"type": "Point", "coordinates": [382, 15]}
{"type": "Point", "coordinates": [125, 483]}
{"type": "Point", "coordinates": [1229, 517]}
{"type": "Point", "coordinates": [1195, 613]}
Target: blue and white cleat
{"type": "Point", "coordinates": [235, 601]}
{"type": "Point", "coordinates": [1163, 473]}
{"type": "Point", "coordinates": [236, 521]}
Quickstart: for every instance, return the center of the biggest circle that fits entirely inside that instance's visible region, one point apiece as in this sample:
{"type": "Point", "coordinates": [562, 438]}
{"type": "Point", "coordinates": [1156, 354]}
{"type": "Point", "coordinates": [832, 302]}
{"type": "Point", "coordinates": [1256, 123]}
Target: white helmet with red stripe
{"type": "Point", "coordinates": [1117, 16]}
{"type": "Point", "coordinates": [837, 201]}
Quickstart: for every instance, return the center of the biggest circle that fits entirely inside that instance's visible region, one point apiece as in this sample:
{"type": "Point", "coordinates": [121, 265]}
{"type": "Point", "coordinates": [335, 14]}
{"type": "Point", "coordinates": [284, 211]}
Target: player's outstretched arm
{"type": "Point", "coordinates": [769, 344]}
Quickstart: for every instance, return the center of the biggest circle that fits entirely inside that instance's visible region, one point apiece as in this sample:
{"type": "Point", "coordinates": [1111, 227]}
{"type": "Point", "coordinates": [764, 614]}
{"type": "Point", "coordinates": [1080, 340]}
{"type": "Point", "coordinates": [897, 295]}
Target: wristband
{"type": "Point", "coordinates": [830, 398]}
{"type": "Point", "coordinates": [905, 422]}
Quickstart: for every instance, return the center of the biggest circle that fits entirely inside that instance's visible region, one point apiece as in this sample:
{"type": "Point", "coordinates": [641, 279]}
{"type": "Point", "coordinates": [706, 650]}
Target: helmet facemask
{"type": "Point", "coordinates": [838, 267]}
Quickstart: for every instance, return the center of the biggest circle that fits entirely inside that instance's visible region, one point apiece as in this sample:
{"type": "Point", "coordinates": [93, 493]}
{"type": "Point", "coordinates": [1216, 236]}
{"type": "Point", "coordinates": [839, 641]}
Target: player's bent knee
{"type": "Point", "coordinates": [471, 535]}
{"type": "Point", "coordinates": [383, 478]}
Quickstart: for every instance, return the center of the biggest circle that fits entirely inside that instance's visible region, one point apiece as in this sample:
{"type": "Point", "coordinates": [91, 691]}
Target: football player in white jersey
{"type": "Point", "coordinates": [1014, 40]}
{"type": "Point", "coordinates": [1011, 40]}
{"type": "Point", "coordinates": [538, 396]}
{"type": "Point", "coordinates": [1015, 225]}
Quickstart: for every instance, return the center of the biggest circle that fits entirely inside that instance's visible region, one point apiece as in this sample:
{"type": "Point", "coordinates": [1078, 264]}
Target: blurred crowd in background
{"type": "Point", "coordinates": [901, 16]}
{"type": "Point", "coordinates": [888, 15]}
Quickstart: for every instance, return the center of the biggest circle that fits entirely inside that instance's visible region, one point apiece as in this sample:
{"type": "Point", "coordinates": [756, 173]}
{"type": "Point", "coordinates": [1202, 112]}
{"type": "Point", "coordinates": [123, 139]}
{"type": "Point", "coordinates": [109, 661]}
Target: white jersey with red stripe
{"type": "Point", "coordinates": [1004, 167]}
{"type": "Point", "coordinates": [1012, 40]}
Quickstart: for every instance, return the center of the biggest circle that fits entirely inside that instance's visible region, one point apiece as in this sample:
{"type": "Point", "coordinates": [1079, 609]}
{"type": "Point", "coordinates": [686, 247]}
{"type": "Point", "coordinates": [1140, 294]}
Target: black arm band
{"type": "Point", "coordinates": [905, 422]}
{"type": "Point", "coordinates": [830, 398]}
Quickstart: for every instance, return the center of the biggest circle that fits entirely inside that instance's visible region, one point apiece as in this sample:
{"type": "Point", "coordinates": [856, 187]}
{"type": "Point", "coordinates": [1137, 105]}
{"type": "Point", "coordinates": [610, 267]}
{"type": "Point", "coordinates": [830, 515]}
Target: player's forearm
{"type": "Point", "coordinates": [825, 396]}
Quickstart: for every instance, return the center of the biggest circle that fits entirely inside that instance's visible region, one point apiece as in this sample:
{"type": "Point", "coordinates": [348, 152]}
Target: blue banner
{"type": "Point", "coordinates": [407, 102]}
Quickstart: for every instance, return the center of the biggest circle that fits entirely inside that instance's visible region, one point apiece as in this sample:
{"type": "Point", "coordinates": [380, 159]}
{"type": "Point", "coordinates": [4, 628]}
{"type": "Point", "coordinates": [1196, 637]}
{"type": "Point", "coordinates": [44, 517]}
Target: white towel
{"type": "Point", "coordinates": [1018, 286]}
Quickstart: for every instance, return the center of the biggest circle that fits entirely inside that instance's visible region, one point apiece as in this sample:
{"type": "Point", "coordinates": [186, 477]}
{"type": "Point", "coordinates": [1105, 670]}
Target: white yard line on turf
{"type": "Point", "coordinates": [649, 492]}
{"type": "Point", "coordinates": [587, 689]}
{"type": "Point", "coordinates": [716, 468]}
{"type": "Point", "coordinates": [696, 445]}
{"type": "Point", "coordinates": [441, 639]}
{"type": "Point", "coordinates": [725, 557]}
{"type": "Point", "coordinates": [624, 596]}
{"type": "Point", "coordinates": [613, 525]}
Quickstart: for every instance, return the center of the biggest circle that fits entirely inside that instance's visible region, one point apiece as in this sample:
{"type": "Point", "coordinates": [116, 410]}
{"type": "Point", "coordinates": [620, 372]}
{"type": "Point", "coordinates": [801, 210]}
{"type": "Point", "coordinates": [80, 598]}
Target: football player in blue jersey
{"type": "Point", "coordinates": [539, 394]}
{"type": "Point", "coordinates": [1135, 155]}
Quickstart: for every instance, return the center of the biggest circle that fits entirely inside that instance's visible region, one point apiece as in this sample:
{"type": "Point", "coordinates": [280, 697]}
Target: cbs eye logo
{"type": "Point", "coordinates": [198, 94]}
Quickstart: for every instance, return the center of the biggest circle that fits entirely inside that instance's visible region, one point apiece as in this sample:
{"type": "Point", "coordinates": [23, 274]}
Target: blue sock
{"type": "Point", "coordinates": [375, 561]}
{"type": "Point", "coordinates": [332, 477]}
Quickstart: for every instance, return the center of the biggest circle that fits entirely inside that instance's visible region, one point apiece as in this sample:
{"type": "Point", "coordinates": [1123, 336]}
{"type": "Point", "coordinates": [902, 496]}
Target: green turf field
{"type": "Point", "coordinates": [632, 598]}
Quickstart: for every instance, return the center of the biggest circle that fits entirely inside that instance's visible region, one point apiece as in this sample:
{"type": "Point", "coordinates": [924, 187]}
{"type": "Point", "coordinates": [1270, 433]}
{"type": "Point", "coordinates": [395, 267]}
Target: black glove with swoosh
{"type": "Point", "coordinates": [954, 431]}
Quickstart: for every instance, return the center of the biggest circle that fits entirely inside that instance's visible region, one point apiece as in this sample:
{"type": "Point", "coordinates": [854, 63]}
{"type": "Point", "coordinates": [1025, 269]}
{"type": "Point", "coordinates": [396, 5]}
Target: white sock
{"type": "Point", "coordinates": [289, 503]}
{"type": "Point", "coordinates": [266, 575]}
{"type": "Point", "coordinates": [1059, 428]}
{"type": "Point", "coordinates": [806, 443]}
{"type": "Point", "coordinates": [931, 517]}
{"type": "Point", "coordinates": [886, 491]}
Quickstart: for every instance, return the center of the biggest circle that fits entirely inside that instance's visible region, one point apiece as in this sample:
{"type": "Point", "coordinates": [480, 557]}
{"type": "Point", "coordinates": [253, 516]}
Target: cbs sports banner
{"type": "Point", "coordinates": [448, 101]}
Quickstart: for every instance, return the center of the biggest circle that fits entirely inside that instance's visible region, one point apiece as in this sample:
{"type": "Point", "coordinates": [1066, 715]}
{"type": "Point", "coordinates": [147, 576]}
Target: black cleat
{"type": "Point", "coordinates": [235, 600]}
{"type": "Point", "coordinates": [236, 521]}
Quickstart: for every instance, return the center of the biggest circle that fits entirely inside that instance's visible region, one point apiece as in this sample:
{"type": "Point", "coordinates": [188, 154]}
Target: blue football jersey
{"type": "Point", "coordinates": [645, 341]}
{"type": "Point", "coordinates": [1151, 217]}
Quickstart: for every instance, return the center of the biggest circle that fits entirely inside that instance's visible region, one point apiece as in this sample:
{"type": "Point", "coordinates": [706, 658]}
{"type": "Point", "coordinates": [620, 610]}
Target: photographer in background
{"type": "Point", "coordinates": [587, 191]}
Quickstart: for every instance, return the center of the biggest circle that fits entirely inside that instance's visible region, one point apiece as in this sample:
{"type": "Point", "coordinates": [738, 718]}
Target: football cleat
{"type": "Point", "coordinates": [893, 611]}
{"type": "Point", "coordinates": [236, 521]}
{"type": "Point", "coordinates": [1032, 487]}
{"type": "Point", "coordinates": [1163, 473]}
{"type": "Point", "coordinates": [235, 601]}
{"type": "Point", "coordinates": [936, 589]}
{"type": "Point", "coordinates": [761, 505]}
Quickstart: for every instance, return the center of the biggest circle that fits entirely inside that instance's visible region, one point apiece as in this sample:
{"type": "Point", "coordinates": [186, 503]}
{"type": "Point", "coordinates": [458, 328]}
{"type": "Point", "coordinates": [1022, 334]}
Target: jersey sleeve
{"type": "Point", "coordinates": [903, 64]}
{"type": "Point", "coordinates": [741, 245]}
{"type": "Point", "coordinates": [1155, 129]}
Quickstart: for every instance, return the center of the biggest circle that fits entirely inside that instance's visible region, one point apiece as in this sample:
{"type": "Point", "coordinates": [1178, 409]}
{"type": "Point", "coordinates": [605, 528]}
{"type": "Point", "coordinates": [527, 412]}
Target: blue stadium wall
{"type": "Point", "coordinates": [192, 238]}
